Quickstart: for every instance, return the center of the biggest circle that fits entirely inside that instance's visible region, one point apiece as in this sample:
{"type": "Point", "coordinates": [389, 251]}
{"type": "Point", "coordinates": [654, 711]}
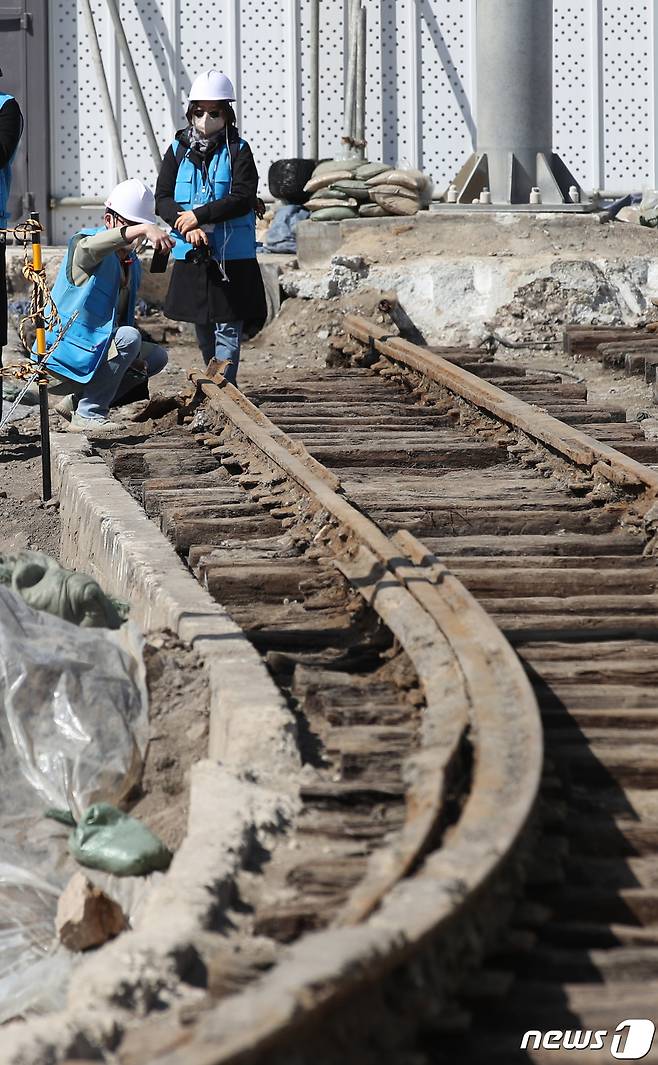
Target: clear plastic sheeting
{"type": "Point", "coordinates": [73, 731]}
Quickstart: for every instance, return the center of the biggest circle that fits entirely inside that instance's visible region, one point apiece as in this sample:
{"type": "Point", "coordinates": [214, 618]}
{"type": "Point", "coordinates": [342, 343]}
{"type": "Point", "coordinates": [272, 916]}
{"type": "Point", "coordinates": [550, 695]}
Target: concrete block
{"type": "Point", "coordinates": [105, 533]}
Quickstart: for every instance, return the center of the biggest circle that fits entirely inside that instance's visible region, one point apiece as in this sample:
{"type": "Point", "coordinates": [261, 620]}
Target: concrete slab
{"type": "Point", "coordinates": [460, 275]}
{"type": "Point", "coordinates": [234, 806]}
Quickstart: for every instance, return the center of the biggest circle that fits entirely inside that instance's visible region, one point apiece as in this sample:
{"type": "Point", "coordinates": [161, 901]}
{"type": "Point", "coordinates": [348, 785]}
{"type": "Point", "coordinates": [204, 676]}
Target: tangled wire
{"type": "Point", "coordinates": [42, 313]}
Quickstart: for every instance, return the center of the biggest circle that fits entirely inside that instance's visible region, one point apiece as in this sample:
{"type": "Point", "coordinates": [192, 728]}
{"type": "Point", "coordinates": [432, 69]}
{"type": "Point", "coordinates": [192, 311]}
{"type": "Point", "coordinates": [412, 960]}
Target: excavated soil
{"type": "Point", "coordinates": [25, 522]}
{"type": "Point", "coordinates": [178, 711]}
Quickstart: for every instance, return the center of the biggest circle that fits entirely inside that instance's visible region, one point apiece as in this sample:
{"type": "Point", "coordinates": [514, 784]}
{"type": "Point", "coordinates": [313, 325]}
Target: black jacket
{"type": "Point", "coordinates": [11, 127]}
{"type": "Point", "coordinates": [241, 199]}
{"type": "Point", "coordinates": [196, 291]}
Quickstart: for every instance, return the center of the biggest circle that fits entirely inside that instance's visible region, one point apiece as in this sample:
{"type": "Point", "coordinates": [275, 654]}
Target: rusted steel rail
{"type": "Point", "coordinates": [418, 477]}
{"type": "Point", "coordinates": [452, 859]}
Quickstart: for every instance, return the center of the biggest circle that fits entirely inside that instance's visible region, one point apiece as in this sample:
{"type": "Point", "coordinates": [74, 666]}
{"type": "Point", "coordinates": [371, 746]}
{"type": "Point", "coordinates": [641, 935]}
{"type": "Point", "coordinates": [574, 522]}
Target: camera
{"type": "Point", "coordinates": [199, 256]}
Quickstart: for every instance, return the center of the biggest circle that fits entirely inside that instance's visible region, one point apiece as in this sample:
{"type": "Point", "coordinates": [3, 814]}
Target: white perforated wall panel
{"type": "Point", "coordinates": [627, 91]}
{"type": "Point", "coordinates": [447, 129]}
{"type": "Point", "coordinates": [575, 120]}
{"type": "Point", "coordinates": [420, 85]}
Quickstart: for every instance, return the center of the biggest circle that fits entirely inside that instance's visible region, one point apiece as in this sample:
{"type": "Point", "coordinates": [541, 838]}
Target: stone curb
{"type": "Point", "coordinates": [250, 795]}
{"type": "Point", "coordinates": [106, 534]}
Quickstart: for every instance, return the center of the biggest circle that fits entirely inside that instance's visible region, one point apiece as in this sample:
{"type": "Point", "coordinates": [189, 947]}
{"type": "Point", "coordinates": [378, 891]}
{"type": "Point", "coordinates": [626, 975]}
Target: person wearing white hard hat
{"type": "Point", "coordinates": [207, 191]}
{"type": "Point", "coordinates": [95, 294]}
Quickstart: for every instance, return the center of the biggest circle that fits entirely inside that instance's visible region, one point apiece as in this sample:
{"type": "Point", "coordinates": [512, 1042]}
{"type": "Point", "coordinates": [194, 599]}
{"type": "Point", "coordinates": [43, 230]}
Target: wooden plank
{"type": "Point", "coordinates": [583, 340]}
{"type": "Point", "coordinates": [573, 444]}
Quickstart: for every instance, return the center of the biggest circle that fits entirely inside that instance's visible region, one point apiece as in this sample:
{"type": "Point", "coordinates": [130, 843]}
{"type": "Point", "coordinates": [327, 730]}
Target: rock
{"type": "Point", "coordinates": [197, 731]}
{"type": "Point", "coordinates": [629, 214]}
{"type": "Point", "coordinates": [86, 916]}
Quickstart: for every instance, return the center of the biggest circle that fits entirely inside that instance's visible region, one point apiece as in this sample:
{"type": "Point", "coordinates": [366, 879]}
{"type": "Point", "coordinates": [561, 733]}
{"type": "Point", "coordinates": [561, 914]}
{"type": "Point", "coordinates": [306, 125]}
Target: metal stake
{"type": "Point", "coordinates": [37, 265]}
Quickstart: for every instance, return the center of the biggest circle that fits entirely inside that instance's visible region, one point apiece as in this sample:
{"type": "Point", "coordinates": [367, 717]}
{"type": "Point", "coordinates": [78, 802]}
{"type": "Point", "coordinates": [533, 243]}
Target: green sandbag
{"type": "Point", "coordinates": [327, 166]}
{"type": "Point", "coordinates": [372, 210]}
{"type": "Point", "coordinates": [321, 203]}
{"type": "Point", "coordinates": [45, 585]}
{"type": "Point", "coordinates": [330, 193]}
{"type": "Point", "coordinates": [358, 189]}
{"type": "Point", "coordinates": [370, 170]}
{"type": "Point", "coordinates": [333, 214]}
{"type": "Point", "coordinates": [108, 839]}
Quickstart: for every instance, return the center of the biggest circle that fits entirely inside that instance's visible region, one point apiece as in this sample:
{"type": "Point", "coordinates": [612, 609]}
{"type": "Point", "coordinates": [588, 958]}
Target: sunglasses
{"type": "Point", "coordinates": [199, 112]}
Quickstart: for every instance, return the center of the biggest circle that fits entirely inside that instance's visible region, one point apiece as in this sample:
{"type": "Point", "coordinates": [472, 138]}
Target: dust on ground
{"type": "Point", "coordinates": [494, 234]}
{"type": "Point", "coordinates": [296, 339]}
{"type": "Point", "coordinates": [179, 708]}
{"type": "Point", "coordinates": [25, 521]}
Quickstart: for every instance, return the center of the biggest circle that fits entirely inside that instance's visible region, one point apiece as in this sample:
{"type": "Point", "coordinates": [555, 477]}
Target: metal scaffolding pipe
{"type": "Point", "coordinates": [134, 82]}
{"type": "Point", "coordinates": [106, 99]}
{"type": "Point", "coordinates": [360, 106]}
{"type": "Point", "coordinates": [315, 80]}
{"type": "Point", "coordinates": [350, 81]}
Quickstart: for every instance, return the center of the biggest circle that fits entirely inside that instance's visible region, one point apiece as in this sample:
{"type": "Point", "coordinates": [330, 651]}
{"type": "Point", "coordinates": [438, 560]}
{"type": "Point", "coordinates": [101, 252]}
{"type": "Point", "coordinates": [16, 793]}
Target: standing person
{"type": "Point", "coordinates": [98, 281]}
{"type": "Point", "coordinates": [207, 190]}
{"type": "Point", "coordinates": [11, 128]}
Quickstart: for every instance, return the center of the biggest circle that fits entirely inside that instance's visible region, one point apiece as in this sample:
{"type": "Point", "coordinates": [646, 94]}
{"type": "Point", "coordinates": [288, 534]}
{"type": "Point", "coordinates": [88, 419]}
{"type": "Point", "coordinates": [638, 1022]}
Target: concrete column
{"type": "Point", "coordinates": [514, 151]}
{"type": "Point", "coordinates": [514, 106]}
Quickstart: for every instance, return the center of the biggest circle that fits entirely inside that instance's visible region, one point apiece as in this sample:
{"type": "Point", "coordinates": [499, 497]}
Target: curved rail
{"type": "Point", "coordinates": [430, 882]}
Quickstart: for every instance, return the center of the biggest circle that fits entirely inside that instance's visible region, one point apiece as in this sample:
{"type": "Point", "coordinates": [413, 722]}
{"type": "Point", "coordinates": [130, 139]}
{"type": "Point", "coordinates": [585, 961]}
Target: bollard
{"type": "Point", "coordinates": [37, 265]}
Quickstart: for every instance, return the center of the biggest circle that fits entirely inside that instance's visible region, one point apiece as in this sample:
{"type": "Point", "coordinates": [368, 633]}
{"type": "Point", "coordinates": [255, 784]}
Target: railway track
{"type": "Point", "coordinates": [385, 535]}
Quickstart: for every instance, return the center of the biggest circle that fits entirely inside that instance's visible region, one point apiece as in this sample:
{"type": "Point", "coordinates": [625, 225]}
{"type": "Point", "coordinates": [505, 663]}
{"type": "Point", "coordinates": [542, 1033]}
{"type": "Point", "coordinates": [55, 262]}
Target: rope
{"type": "Point", "coordinates": [42, 310]}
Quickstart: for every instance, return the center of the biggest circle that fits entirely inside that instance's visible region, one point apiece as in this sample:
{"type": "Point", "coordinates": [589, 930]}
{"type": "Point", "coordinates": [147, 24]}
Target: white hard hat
{"type": "Point", "coordinates": [133, 200]}
{"type": "Point", "coordinates": [211, 85]}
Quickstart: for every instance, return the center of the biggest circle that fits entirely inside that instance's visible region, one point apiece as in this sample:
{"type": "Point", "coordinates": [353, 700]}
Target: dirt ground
{"type": "Point", "coordinates": [296, 339]}
{"type": "Point", "coordinates": [179, 711]}
{"type": "Point", "coordinates": [24, 520]}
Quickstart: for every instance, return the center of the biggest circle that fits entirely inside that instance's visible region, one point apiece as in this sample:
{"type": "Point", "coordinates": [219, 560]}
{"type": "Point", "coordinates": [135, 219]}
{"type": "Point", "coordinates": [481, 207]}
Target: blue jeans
{"type": "Point", "coordinates": [221, 341]}
{"type": "Point", "coordinates": [105, 385]}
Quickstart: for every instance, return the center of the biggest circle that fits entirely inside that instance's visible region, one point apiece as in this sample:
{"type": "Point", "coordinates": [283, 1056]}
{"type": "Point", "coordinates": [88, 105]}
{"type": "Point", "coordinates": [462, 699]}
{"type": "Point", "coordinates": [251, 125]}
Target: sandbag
{"type": "Point", "coordinates": [329, 178]}
{"type": "Point", "coordinates": [334, 214]}
{"type": "Point", "coordinates": [394, 190]}
{"type": "Point", "coordinates": [45, 585]}
{"type": "Point", "coordinates": [358, 189]}
{"type": "Point", "coordinates": [372, 210]}
{"type": "Point", "coordinates": [106, 838]}
{"type": "Point", "coordinates": [330, 193]}
{"type": "Point", "coordinates": [286, 179]}
{"type": "Point", "coordinates": [329, 165]}
{"type": "Point", "coordinates": [323, 203]}
{"type": "Point", "coordinates": [408, 179]}
{"type": "Point", "coordinates": [394, 203]}
{"type": "Point", "coordinates": [370, 170]}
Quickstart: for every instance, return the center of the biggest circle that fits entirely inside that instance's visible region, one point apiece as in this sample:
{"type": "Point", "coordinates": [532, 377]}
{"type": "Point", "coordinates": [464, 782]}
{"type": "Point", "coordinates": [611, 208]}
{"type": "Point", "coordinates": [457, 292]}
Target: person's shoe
{"type": "Point", "coordinates": [66, 407]}
{"type": "Point", "coordinates": [95, 426]}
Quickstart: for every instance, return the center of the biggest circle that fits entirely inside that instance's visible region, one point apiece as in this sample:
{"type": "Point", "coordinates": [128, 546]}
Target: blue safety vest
{"type": "Point", "coordinates": [235, 239]}
{"type": "Point", "coordinates": [5, 174]}
{"type": "Point", "coordinates": [86, 342]}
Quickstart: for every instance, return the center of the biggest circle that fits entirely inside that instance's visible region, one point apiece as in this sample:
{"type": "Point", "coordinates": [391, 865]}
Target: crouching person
{"type": "Point", "coordinates": [99, 279]}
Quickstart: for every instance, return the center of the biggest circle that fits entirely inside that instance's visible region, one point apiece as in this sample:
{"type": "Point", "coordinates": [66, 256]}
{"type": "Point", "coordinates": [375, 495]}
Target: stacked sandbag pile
{"type": "Point", "coordinates": [353, 188]}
